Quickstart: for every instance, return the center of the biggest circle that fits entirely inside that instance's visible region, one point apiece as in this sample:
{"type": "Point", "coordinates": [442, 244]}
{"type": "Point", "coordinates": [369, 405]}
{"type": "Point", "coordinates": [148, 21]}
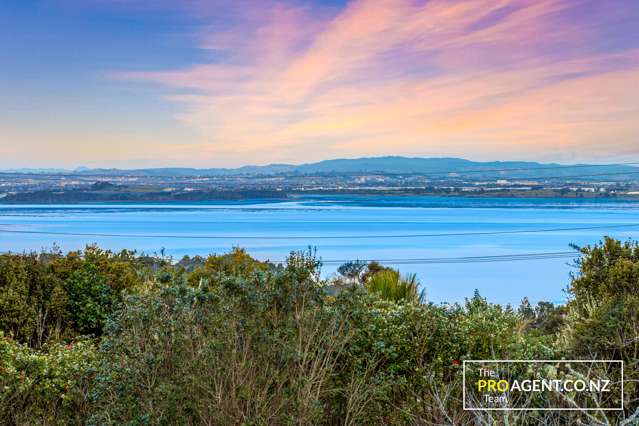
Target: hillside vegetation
{"type": "Point", "coordinates": [97, 337]}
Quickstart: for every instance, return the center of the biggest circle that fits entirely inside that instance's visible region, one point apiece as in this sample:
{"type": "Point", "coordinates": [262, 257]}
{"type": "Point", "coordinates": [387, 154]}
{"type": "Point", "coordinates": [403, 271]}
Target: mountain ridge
{"type": "Point", "coordinates": [383, 164]}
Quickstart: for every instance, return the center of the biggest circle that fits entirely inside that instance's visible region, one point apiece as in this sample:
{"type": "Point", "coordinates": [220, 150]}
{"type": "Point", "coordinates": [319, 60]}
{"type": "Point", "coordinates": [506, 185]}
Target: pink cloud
{"type": "Point", "coordinates": [439, 77]}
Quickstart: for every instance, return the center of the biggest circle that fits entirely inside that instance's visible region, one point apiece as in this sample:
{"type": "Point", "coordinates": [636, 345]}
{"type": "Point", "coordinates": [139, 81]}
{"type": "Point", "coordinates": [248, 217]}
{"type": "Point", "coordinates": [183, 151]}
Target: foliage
{"type": "Point", "coordinates": [603, 313]}
{"type": "Point", "coordinates": [49, 297]}
{"type": "Point", "coordinates": [606, 270]}
{"type": "Point", "coordinates": [48, 386]}
{"type": "Point", "coordinates": [352, 271]}
{"type": "Point", "coordinates": [258, 346]}
{"type": "Point", "coordinates": [228, 339]}
{"type": "Point", "coordinates": [235, 263]}
{"type": "Point", "coordinates": [371, 269]}
{"type": "Point", "coordinates": [390, 285]}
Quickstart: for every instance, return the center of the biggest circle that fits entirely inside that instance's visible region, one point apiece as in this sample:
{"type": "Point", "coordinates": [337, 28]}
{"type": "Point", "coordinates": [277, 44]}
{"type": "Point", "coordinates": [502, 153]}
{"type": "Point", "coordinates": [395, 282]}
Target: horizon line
{"type": "Point", "coordinates": [88, 168]}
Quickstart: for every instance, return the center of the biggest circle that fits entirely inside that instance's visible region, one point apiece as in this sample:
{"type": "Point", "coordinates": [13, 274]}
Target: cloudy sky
{"type": "Point", "coordinates": [208, 83]}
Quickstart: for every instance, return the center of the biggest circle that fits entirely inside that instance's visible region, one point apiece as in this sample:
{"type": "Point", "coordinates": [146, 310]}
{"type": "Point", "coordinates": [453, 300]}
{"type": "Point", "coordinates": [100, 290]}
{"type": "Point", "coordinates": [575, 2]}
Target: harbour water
{"type": "Point", "coordinates": [352, 227]}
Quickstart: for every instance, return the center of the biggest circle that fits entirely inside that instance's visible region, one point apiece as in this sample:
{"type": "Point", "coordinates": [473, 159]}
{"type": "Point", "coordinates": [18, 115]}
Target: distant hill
{"type": "Point", "coordinates": [450, 166]}
{"type": "Point", "coordinates": [389, 165]}
{"type": "Point", "coordinates": [405, 165]}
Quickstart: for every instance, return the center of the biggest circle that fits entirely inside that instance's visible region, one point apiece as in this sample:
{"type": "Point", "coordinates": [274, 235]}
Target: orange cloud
{"type": "Point", "coordinates": [481, 79]}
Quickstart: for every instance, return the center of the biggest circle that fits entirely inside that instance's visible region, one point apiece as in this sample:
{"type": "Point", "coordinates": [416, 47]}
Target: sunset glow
{"type": "Point", "coordinates": [212, 83]}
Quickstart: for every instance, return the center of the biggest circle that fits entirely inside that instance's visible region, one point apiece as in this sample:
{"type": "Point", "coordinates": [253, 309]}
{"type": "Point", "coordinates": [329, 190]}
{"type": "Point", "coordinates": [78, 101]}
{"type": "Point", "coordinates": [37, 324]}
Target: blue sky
{"type": "Point", "coordinates": [217, 83]}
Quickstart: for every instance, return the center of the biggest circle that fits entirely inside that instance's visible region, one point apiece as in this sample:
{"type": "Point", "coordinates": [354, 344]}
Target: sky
{"type": "Point", "coordinates": [211, 83]}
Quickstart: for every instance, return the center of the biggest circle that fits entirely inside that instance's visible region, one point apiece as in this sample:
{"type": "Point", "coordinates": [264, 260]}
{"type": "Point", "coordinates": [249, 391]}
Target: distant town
{"type": "Point", "coordinates": [380, 175]}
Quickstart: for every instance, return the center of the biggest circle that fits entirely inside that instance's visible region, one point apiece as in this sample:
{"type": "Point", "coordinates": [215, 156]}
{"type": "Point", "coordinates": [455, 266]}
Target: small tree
{"type": "Point", "coordinates": [352, 271]}
{"type": "Point", "coordinates": [603, 313]}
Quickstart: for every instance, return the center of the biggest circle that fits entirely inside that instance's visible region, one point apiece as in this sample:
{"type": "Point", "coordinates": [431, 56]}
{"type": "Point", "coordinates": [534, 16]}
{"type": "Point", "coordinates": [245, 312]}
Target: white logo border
{"type": "Point", "coordinates": [476, 361]}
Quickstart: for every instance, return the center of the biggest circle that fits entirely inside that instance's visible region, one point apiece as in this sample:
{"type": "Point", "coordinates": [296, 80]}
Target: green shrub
{"type": "Point", "coordinates": [390, 285]}
{"type": "Point", "coordinates": [51, 297]}
{"type": "Point", "coordinates": [48, 386]}
{"type": "Point", "coordinates": [258, 347]}
{"type": "Point", "coordinates": [232, 340]}
{"type": "Point", "coordinates": [603, 312]}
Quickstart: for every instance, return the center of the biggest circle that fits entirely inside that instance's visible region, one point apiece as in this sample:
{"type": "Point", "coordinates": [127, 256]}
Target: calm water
{"type": "Point", "coordinates": [307, 218]}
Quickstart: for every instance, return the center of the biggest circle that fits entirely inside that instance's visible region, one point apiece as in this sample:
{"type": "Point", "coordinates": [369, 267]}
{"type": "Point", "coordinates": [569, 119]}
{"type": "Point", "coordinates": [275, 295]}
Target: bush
{"type": "Point", "coordinates": [50, 297]}
{"type": "Point", "coordinates": [390, 285]}
{"type": "Point", "coordinates": [258, 348]}
{"type": "Point", "coordinates": [48, 386]}
{"type": "Point", "coordinates": [603, 312]}
{"type": "Point", "coordinates": [232, 340]}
